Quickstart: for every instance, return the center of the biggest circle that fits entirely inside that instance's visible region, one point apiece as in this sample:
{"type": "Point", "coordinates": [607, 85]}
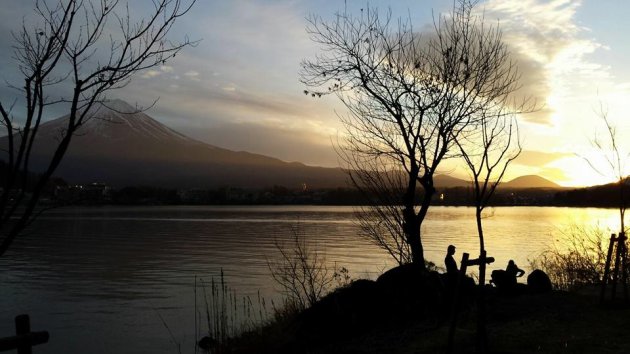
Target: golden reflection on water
{"type": "Point", "coordinates": [518, 233]}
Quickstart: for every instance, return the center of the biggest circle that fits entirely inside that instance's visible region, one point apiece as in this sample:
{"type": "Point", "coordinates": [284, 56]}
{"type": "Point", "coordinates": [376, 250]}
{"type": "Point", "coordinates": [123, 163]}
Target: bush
{"type": "Point", "coordinates": [576, 259]}
{"type": "Point", "coordinates": [303, 273]}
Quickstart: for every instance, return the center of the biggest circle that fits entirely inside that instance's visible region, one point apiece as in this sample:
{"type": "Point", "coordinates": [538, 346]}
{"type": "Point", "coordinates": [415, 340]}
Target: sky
{"type": "Point", "coordinates": [239, 87]}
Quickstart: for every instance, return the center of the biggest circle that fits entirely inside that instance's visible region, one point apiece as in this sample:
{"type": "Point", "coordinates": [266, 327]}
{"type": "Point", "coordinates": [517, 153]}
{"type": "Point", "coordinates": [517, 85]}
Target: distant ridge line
{"type": "Point", "coordinates": [134, 149]}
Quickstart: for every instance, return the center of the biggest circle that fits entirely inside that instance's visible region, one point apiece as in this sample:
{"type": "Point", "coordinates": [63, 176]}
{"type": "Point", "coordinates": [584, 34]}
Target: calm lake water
{"type": "Point", "coordinates": [108, 279]}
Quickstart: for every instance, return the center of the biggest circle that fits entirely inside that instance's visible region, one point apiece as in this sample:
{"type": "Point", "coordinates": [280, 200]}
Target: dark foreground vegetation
{"type": "Point", "coordinates": [408, 311]}
{"type": "Point", "coordinates": [559, 308]}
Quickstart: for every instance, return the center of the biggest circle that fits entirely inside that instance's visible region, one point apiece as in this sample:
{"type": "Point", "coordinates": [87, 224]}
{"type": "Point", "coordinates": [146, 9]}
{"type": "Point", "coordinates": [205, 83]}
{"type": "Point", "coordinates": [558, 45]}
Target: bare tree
{"type": "Point", "coordinates": [492, 144]}
{"type": "Point", "coordinates": [614, 166]}
{"type": "Point", "coordinates": [408, 97]}
{"type": "Point", "coordinates": [614, 163]}
{"type": "Point", "coordinates": [71, 57]}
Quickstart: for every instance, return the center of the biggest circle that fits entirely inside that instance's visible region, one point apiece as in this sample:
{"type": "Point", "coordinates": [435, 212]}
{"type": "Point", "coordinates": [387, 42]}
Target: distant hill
{"type": "Point", "coordinates": [604, 195]}
{"type": "Point", "coordinates": [530, 181]}
{"type": "Point", "coordinates": [446, 181]}
{"type": "Point", "coordinates": [131, 148]}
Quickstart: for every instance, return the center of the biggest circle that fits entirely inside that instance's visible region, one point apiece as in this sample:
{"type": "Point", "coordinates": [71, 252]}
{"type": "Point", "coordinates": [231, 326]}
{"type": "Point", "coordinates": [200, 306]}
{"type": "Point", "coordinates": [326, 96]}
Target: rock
{"type": "Point", "coordinates": [406, 278]}
{"type": "Point", "coordinates": [411, 292]}
{"type": "Point", "coordinates": [538, 282]}
{"type": "Point", "coordinates": [346, 310]}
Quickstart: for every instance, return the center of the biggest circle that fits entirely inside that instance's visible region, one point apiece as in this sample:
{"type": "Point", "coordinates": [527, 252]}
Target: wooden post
{"type": "Point", "coordinates": [22, 327]}
{"type": "Point", "coordinates": [24, 339]}
{"type": "Point", "coordinates": [482, 337]}
{"type": "Point", "coordinates": [455, 308]}
{"type": "Point", "coordinates": [611, 246]}
{"type": "Point", "coordinates": [481, 262]}
{"type": "Point", "coordinates": [618, 251]}
{"type": "Point", "coordinates": [624, 269]}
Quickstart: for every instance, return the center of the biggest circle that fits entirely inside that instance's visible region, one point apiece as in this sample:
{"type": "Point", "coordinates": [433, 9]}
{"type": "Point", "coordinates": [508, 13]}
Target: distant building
{"type": "Point", "coordinates": [93, 193]}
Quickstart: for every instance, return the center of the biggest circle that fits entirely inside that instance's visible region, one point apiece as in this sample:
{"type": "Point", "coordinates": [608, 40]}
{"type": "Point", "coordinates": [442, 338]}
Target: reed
{"type": "Point", "coordinates": [227, 314]}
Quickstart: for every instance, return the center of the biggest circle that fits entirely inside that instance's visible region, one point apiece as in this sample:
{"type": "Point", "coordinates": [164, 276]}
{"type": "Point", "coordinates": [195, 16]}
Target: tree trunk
{"type": "Point", "coordinates": [413, 239]}
{"type": "Point", "coordinates": [411, 225]}
{"type": "Point", "coordinates": [414, 233]}
{"type": "Point", "coordinates": [482, 339]}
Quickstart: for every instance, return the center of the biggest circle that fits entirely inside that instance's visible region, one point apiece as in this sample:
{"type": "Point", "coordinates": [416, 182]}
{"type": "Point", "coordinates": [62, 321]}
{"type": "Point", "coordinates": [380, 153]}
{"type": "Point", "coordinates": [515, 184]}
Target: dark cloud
{"type": "Point", "coordinates": [534, 87]}
{"type": "Point", "coordinates": [261, 103]}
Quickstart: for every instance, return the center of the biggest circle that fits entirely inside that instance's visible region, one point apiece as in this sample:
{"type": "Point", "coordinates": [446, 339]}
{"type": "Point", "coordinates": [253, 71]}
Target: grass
{"type": "Point", "coordinates": [226, 314]}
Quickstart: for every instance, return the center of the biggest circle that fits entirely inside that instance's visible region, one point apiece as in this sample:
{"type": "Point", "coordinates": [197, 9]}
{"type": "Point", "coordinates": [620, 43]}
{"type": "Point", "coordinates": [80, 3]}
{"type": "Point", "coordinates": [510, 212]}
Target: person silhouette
{"type": "Point", "coordinates": [513, 271]}
{"type": "Point", "coordinates": [505, 280]}
{"type": "Point", "coordinates": [449, 261]}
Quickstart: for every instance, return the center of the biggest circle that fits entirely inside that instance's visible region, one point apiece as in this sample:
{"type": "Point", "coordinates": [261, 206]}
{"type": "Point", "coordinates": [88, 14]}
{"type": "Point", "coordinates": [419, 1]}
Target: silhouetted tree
{"type": "Point", "coordinates": [613, 165]}
{"type": "Point", "coordinates": [408, 97]}
{"type": "Point", "coordinates": [71, 57]}
{"type": "Point", "coordinates": [487, 150]}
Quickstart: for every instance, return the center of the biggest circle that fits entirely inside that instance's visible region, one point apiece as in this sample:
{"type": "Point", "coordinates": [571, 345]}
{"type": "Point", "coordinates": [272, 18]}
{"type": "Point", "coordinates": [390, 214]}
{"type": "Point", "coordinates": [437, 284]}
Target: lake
{"type": "Point", "coordinates": [112, 279]}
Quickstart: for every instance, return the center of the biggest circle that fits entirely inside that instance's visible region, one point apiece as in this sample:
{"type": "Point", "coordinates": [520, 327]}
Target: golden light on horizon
{"type": "Point", "coordinates": [578, 172]}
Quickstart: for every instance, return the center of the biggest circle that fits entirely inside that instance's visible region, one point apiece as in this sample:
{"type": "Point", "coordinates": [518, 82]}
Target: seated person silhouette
{"type": "Point", "coordinates": [513, 271]}
{"type": "Point", "coordinates": [506, 279]}
{"type": "Point", "coordinates": [449, 261]}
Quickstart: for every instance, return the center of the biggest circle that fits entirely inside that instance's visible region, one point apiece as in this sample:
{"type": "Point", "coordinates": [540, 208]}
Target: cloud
{"type": "Point", "coordinates": [281, 123]}
{"type": "Point", "coordinates": [549, 48]}
{"type": "Point", "coordinates": [149, 74]}
{"type": "Point", "coordinates": [555, 174]}
{"type": "Point", "coordinates": [300, 144]}
{"type": "Point", "coordinates": [539, 158]}
{"type": "Point", "coordinates": [192, 75]}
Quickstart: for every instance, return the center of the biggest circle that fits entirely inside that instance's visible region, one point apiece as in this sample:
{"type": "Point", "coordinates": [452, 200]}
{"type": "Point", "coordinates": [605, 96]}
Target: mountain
{"type": "Point", "coordinates": [530, 181]}
{"type": "Point", "coordinates": [446, 181]}
{"type": "Point", "coordinates": [442, 181]}
{"type": "Point", "coordinates": [121, 147]}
